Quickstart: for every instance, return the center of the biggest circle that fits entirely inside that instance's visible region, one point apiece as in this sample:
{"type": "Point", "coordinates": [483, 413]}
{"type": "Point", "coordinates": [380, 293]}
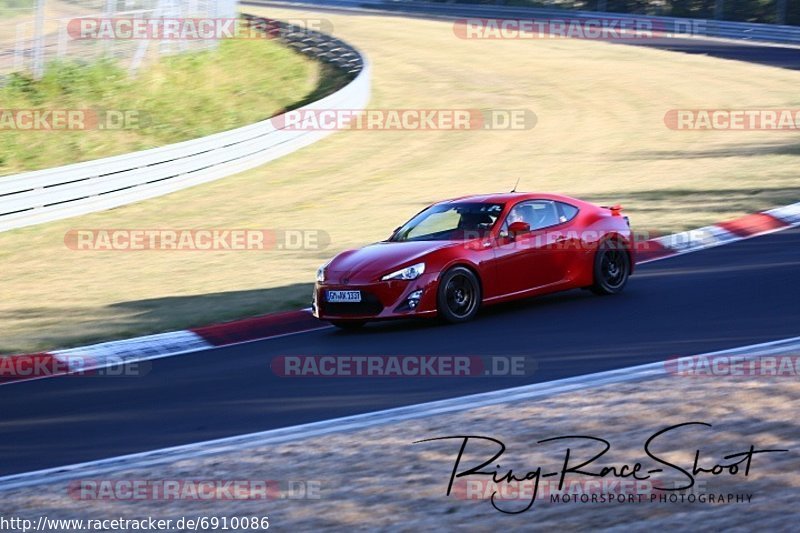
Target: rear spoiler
{"type": "Point", "coordinates": [616, 210]}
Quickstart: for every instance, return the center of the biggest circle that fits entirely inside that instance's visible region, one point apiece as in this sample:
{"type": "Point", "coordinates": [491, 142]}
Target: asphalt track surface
{"type": "Point", "coordinates": [764, 55]}
{"type": "Point", "coordinates": [720, 298]}
{"type": "Point", "coordinates": [725, 297]}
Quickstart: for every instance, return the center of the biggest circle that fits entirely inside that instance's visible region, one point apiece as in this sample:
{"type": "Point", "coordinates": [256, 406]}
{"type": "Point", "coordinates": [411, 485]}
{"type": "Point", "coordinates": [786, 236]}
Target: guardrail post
{"type": "Point", "coordinates": [719, 9]}
{"type": "Point", "coordinates": [780, 15]}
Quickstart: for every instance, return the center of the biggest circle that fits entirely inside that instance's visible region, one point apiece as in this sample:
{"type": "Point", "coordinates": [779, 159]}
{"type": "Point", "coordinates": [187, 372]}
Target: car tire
{"type": "Point", "coordinates": [348, 325]}
{"type": "Point", "coordinates": [612, 267]}
{"type": "Point", "coordinates": [458, 296]}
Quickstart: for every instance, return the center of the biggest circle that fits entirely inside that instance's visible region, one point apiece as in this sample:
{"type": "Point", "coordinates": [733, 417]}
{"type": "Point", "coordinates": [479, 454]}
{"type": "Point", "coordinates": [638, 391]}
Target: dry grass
{"type": "Point", "coordinates": [600, 136]}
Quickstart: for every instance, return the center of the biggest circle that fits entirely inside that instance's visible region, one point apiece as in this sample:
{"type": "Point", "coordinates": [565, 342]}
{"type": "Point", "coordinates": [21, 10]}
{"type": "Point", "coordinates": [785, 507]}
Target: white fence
{"type": "Point", "coordinates": [47, 31]}
{"type": "Point", "coordinates": [57, 193]}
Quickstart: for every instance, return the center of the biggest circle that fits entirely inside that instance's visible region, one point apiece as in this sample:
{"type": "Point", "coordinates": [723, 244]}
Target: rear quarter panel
{"type": "Point", "coordinates": [598, 225]}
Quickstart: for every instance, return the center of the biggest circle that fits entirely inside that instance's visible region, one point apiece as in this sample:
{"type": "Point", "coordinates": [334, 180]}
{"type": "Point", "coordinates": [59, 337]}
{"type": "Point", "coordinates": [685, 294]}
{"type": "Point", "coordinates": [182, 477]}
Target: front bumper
{"type": "Point", "coordinates": [379, 299]}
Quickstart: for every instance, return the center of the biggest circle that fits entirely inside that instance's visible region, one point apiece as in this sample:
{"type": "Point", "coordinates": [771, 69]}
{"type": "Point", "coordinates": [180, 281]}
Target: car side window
{"type": "Point", "coordinates": [537, 214]}
{"type": "Point", "coordinates": [566, 212]}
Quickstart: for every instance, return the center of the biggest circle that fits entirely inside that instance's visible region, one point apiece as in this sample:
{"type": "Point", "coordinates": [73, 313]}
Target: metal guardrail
{"type": "Point", "coordinates": [52, 194]}
{"type": "Point", "coordinates": [681, 26]}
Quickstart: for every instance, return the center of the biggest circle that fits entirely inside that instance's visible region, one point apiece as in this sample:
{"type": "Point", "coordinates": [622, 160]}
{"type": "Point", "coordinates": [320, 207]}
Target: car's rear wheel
{"type": "Point", "coordinates": [612, 266]}
{"type": "Point", "coordinates": [459, 295]}
{"type": "Point", "coordinates": [348, 324]}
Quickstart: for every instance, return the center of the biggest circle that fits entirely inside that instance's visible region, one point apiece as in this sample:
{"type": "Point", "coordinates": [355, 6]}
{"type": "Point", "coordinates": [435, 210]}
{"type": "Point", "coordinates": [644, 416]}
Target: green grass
{"type": "Point", "coordinates": [16, 4]}
{"type": "Point", "coordinates": [181, 97]}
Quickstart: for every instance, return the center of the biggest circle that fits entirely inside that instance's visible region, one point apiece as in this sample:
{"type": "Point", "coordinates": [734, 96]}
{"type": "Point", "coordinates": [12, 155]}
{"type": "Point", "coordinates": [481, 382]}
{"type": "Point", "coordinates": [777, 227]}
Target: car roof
{"type": "Point", "coordinates": [505, 197]}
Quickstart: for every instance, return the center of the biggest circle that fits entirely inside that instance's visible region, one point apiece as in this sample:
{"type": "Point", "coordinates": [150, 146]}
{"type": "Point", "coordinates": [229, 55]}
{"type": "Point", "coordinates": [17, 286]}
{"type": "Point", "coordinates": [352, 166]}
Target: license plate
{"type": "Point", "coordinates": [343, 296]}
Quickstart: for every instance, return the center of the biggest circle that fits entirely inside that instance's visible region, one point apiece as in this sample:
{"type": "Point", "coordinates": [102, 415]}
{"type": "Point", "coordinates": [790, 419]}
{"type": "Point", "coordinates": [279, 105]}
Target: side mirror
{"type": "Point", "coordinates": [518, 227]}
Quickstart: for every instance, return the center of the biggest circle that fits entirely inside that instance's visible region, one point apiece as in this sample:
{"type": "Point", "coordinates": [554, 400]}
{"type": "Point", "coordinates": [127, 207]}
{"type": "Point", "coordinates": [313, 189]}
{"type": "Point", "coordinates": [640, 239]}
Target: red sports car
{"type": "Point", "coordinates": [457, 255]}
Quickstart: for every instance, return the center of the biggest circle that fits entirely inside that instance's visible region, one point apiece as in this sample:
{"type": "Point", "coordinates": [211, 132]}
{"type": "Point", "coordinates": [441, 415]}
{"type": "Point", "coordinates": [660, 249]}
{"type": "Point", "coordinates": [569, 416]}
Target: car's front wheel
{"type": "Point", "coordinates": [459, 295]}
{"type": "Point", "coordinates": [612, 266]}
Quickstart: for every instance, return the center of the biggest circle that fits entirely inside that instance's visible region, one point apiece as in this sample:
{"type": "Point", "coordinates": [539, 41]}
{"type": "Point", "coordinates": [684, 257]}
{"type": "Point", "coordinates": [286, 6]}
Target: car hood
{"type": "Point", "coordinates": [383, 257]}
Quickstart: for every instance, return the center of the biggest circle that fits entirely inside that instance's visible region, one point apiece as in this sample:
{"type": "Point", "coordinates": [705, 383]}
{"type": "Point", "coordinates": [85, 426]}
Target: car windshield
{"type": "Point", "coordinates": [450, 221]}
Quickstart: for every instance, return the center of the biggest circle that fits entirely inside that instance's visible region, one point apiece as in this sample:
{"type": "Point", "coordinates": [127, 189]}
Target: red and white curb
{"type": "Point", "coordinates": [738, 229]}
{"type": "Point", "coordinates": [27, 367]}
{"type": "Point", "coordinates": [17, 368]}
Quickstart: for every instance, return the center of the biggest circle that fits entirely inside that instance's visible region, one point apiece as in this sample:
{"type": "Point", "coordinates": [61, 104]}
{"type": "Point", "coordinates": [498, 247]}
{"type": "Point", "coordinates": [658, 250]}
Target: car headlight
{"type": "Point", "coordinates": [411, 272]}
{"type": "Point", "coordinates": [321, 273]}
